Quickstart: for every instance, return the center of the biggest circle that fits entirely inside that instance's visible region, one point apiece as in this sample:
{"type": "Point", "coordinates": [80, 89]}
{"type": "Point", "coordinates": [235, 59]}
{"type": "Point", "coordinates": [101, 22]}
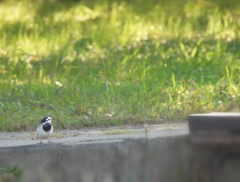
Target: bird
{"type": "Point", "coordinates": [45, 128]}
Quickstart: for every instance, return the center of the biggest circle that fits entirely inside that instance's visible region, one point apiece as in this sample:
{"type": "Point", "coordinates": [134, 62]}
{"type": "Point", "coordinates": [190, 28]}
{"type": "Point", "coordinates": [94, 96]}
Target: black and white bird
{"type": "Point", "coordinates": [45, 128]}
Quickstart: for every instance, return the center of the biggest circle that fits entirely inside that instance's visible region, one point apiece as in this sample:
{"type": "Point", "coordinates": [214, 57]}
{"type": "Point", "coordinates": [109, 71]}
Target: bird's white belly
{"type": "Point", "coordinates": [42, 134]}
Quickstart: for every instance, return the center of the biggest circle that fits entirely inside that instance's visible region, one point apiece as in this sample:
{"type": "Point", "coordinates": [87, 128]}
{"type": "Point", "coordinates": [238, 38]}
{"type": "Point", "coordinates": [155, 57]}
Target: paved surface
{"type": "Point", "coordinates": [118, 154]}
{"type": "Point", "coordinates": [104, 155]}
{"type": "Point", "coordinates": [85, 136]}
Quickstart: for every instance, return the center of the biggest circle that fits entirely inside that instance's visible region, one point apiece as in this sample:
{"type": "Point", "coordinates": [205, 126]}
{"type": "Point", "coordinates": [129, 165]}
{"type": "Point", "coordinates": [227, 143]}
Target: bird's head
{"type": "Point", "coordinates": [46, 119]}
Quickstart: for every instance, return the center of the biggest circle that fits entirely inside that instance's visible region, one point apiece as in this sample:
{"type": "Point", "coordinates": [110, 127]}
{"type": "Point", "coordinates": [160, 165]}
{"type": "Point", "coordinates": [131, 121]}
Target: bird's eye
{"type": "Point", "coordinates": [48, 119]}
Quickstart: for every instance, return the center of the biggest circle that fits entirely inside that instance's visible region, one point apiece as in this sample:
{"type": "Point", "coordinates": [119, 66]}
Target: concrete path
{"type": "Point", "coordinates": [104, 155]}
{"type": "Point", "coordinates": [85, 136]}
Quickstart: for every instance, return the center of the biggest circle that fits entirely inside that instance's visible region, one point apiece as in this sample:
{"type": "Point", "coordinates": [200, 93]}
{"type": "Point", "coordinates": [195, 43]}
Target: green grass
{"type": "Point", "coordinates": [119, 62]}
{"type": "Point", "coordinates": [10, 173]}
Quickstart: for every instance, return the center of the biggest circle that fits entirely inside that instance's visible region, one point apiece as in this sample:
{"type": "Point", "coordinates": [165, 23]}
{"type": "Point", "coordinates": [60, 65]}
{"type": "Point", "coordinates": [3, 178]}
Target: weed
{"type": "Point", "coordinates": [10, 173]}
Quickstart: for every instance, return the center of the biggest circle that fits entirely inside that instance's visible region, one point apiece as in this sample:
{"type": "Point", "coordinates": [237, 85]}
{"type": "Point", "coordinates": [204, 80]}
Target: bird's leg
{"type": "Point", "coordinates": [48, 140]}
{"type": "Point", "coordinates": [41, 140]}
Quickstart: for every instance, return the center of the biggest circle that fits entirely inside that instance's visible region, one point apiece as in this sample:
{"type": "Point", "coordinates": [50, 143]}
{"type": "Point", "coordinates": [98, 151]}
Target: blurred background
{"type": "Point", "coordinates": [100, 63]}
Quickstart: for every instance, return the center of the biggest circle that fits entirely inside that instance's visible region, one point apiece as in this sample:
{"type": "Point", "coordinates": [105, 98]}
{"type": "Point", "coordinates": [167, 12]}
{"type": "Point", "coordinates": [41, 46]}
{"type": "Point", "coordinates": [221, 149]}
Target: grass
{"type": "Point", "coordinates": [10, 173]}
{"type": "Point", "coordinates": [121, 131]}
{"type": "Point", "coordinates": [104, 63]}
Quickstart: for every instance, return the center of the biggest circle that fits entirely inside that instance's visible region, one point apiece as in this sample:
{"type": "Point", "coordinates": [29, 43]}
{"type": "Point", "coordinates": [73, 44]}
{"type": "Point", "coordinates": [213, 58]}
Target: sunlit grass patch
{"type": "Point", "coordinates": [106, 63]}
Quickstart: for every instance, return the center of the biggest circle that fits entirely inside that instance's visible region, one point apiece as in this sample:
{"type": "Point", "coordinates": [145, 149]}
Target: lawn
{"type": "Point", "coordinates": [100, 63]}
